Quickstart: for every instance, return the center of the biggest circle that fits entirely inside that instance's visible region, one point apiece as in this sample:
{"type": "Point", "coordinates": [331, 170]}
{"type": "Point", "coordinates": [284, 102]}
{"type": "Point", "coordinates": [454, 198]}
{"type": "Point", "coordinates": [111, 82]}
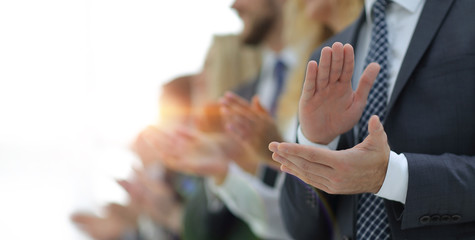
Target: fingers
{"type": "Point", "coordinates": [310, 83]}
{"type": "Point", "coordinates": [313, 154]}
{"type": "Point", "coordinates": [365, 84]}
{"type": "Point", "coordinates": [230, 98]}
{"type": "Point", "coordinates": [337, 62]}
{"type": "Point", "coordinates": [83, 218]}
{"type": "Point", "coordinates": [307, 169]}
{"type": "Point", "coordinates": [323, 74]}
{"type": "Point", "coordinates": [157, 138]}
{"type": "Point", "coordinates": [349, 63]}
{"type": "Point", "coordinates": [313, 180]}
{"type": "Point", "coordinates": [133, 190]}
{"type": "Point", "coordinates": [186, 134]}
{"type": "Point", "coordinates": [239, 130]}
{"type": "Point", "coordinates": [237, 111]}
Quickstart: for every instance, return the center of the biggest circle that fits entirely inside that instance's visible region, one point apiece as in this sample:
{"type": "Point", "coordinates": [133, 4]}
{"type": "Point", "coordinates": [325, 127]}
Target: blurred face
{"type": "Point", "coordinates": [258, 18]}
{"type": "Point", "coordinates": [318, 9]}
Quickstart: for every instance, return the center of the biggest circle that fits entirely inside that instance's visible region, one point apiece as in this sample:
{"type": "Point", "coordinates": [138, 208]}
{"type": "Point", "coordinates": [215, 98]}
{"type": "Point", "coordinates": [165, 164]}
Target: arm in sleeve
{"type": "Point", "coordinates": [256, 203]}
{"type": "Point", "coordinates": [306, 212]}
{"type": "Point", "coordinates": [441, 186]}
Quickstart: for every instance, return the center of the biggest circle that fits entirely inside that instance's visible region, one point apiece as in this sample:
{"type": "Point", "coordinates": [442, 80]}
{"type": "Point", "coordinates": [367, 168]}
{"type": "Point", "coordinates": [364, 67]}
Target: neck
{"type": "Point", "coordinates": [336, 22]}
{"type": "Point", "coordinates": [274, 39]}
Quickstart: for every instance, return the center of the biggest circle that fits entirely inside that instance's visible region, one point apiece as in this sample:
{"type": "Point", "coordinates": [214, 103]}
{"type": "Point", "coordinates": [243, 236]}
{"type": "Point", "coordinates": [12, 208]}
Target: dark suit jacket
{"type": "Point", "coordinates": [202, 224]}
{"type": "Point", "coordinates": [431, 119]}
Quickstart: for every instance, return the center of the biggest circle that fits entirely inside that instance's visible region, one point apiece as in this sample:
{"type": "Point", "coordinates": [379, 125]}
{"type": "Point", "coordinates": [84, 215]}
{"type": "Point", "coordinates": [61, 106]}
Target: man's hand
{"type": "Point", "coordinates": [357, 170]}
{"type": "Point", "coordinates": [113, 225]}
{"type": "Point", "coordinates": [190, 151]}
{"type": "Point", "coordinates": [328, 106]}
{"type": "Point", "coordinates": [251, 125]}
{"type": "Point", "coordinates": [148, 154]}
{"type": "Point", "coordinates": [156, 199]}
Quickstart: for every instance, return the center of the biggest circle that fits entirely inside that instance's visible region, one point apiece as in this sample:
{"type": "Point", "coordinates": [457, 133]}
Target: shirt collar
{"type": "Point", "coordinates": [409, 5]}
{"type": "Point", "coordinates": [287, 55]}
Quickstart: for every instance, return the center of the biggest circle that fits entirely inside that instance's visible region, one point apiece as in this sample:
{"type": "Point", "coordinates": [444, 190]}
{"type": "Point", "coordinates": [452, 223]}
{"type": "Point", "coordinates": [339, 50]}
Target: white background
{"type": "Point", "coordinates": [78, 80]}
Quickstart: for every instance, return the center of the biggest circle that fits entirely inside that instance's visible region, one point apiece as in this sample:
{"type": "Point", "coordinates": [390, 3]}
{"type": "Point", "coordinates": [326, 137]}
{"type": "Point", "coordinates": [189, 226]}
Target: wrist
{"type": "Point", "coordinates": [220, 177]}
{"type": "Point", "coordinates": [320, 138]}
{"type": "Point", "coordinates": [175, 219]}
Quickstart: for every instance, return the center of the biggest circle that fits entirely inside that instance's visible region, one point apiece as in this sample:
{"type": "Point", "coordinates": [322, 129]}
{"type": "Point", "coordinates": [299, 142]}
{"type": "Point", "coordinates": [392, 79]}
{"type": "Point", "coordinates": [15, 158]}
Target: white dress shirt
{"type": "Point", "coordinates": [402, 17]}
{"type": "Point", "coordinates": [245, 195]}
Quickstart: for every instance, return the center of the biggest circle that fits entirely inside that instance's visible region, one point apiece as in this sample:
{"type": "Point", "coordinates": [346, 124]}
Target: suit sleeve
{"type": "Point", "coordinates": [199, 223]}
{"type": "Point", "coordinates": [441, 190]}
{"type": "Point", "coordinates": [305, 213]}
{"type": "Point", "coordinates": [248, 198]}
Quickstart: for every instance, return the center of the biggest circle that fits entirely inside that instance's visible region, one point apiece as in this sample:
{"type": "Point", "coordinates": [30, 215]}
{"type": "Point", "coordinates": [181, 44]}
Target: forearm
{"type": "Point", "coordinates": [305, 216]}
{"type": "Point", "coordinates": [254, 202]}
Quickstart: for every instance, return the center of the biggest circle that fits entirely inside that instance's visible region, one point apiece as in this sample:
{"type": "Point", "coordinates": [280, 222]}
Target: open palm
{"type": "Point", "coordinates": [328, 106]}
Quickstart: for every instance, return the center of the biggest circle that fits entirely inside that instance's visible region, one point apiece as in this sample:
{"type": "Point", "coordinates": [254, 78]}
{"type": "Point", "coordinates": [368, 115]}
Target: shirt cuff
{"type": "Point", "coordinates": [396, 180]}
{"type": "Point", "coordinates": [214, 203]}
{"type": "Point", "coordinates": [304, 141]}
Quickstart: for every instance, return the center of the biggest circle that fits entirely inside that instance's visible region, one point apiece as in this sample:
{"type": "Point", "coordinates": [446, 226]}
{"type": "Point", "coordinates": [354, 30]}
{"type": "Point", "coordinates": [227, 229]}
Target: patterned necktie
{"type": "Point", "coordinates": [279, 77]}
{"type": "Point", "coordinates": [270, 175]}
{"type": "Point", "coordinates": [372, 220]}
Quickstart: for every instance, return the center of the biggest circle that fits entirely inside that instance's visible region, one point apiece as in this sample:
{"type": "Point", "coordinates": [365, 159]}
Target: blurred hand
{"type": "Point", "coordinates": [360, 169]}
{"type": "Point", "coordinates": [155, 199]}
{"type": "Point", "coordinates": [190, 151]}
{"type": "Point", "coordinates": [328, 106]}
{"type": "Point", "coordinates": [148, 154]}
{"type": "Point", "coordinates": [251, 125]}
{"type": "Point", "coordinates": [117, 221]}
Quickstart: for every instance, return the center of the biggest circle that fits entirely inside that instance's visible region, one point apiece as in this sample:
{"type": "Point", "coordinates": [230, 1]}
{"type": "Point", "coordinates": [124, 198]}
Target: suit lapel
{"type": "Point", "coordinates": [350, 35]}
{"type": "Point", "coordinates": [429, 22]}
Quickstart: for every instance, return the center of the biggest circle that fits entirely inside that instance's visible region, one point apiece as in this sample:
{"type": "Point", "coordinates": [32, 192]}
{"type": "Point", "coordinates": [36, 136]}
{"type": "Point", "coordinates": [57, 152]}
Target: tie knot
{"type": "Point", "coordinates": [380, 5]}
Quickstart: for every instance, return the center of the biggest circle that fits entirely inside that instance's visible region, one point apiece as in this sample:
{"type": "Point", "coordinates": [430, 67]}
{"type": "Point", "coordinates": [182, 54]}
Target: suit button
{"type": "Point", "coordinates": [346, 238]}
{"type": "Point", "coordinates": [424, 219]}
{"type": "Point", "coordinates": [445, 218]}
{"type": "Point", "coordinates": [435, 218]}
{"type": "Point", "coordinates": [456, 218]}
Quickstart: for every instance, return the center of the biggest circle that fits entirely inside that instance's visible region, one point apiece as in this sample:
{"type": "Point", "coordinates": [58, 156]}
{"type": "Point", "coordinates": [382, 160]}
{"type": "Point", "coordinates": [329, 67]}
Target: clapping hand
{"type": "Point", "coordinates": [117, 221]}
{"type": "Point", "coordinates": [250, 124]}
{"type": "Point", "coordinates": [356, 170]}
{"type": "Point", "coordinates": [156, 199]}
{"type": "Point", "coordinates": [328, 106]}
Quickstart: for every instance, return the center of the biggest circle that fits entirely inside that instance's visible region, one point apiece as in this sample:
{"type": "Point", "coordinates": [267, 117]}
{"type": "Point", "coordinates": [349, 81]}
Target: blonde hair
{"type": "Point", "coordinates": [305, 35]}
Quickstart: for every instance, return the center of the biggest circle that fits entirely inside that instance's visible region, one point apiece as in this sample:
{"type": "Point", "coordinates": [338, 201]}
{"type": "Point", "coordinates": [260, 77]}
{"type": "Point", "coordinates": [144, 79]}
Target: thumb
{"type": "Point", "coordinates": [377, 135]}
{"type": "Point", "coordinates": [374, 125]}
{"type": "Point", "coordinates": [366, 83]}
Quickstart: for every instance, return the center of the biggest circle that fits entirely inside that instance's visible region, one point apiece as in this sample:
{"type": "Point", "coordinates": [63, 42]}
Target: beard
{"type": "Point", "coordinates": [258, 30]}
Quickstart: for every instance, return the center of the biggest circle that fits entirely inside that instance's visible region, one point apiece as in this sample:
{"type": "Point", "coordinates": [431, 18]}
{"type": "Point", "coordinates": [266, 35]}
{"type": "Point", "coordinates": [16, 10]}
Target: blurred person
{"type": "Point", "coordinates": [262, 25]}
{"type": "Point", "coordinates": [117, 222]}
{"type": "Point", "coordinates": [155, 193]}
{"type": "Point", "coordinates": [230, 59]}
{"type": "Point", "coordinates": [408, 172]}
{"type": "Point", "coordinates": [226, 55]}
